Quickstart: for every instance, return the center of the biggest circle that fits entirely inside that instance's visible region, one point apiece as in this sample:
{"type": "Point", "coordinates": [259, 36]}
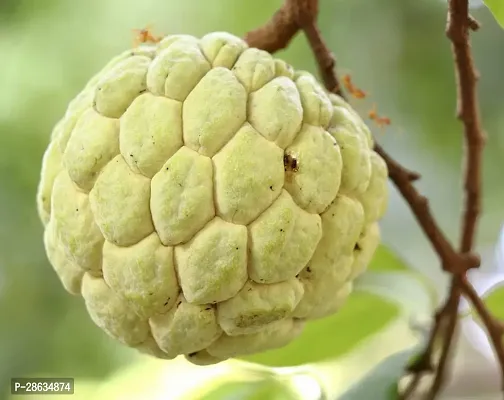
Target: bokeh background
{"type": "Point", "coordinates": [394, 49]}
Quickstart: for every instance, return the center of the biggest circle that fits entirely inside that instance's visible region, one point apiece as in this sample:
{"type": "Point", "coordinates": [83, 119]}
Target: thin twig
{"type": "Point", "coordinates": [450, 317]}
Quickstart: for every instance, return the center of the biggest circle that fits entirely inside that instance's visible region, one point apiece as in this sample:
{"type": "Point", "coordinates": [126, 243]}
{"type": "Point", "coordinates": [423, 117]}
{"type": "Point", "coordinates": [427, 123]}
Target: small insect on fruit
{"type": "Point", "coordinates": [145, 35]}
{"type": "Point", "coordinates": [354, 91]}
{"type": "Point", "coordinates": [380, 121]}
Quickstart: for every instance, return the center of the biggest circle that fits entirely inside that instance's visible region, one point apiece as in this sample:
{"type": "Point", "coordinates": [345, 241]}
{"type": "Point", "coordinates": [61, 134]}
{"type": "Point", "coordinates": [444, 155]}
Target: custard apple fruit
{"type": "Point", "coordinates": [207, 200]}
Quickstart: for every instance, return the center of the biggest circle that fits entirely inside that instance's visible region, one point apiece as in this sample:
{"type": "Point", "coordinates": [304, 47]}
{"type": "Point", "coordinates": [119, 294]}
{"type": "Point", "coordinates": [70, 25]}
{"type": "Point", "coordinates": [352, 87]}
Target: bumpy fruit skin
{"type": "Point", "coordinates": [206, 200]}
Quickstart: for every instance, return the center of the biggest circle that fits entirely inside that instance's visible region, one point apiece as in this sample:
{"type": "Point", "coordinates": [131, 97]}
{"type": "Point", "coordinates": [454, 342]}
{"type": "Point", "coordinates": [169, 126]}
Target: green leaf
{"type": "Point", "coordinates": [495, 301]}
{"type": "Point", "coordinates": [497, 8]}
{"type": "Point", "coordinates": [230, 391]}
{"type": "Point", "coordinates": [347, 374]}
{"type": "Point", "coordinates": [413, 294]}
{"type": "Point", "coordinates": [385, 259]}
{"type": "Point", "coordinates": [361, 316]}
{"type": "Point", "coordinates": [390, 276]}
{"type": "Point", "coordinates": [269, 388]}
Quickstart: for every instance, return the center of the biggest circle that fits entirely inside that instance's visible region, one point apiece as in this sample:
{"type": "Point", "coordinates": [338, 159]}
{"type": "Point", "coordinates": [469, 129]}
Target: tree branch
{"type": "Point", "coordinates": [402, 178]}
{"type": "Point", "coordinates": [458, 25]}
{"type": "Point", "coordinates": [293, 16]}
{"type": "Point", "coordinates": [277, 33]}
{"type": "Point", "coordinates": [297, 15]}
{"type": "Point", "coordinates": [325, 59]}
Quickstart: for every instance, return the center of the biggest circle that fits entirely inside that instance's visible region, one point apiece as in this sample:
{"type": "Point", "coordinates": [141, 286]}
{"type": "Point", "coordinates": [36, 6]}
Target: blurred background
{"type": "Point", "coordinates": [394, 49]}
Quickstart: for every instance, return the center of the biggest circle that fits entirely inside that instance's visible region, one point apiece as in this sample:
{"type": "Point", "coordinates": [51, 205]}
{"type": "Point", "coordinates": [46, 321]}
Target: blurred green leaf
{"type": "Point", "coordinates": [413, 294]}
{"type": "Point", "coordinates": [362, 315]}
{"type": "Point", "coordinates": [385, 259]}
{"type": "Point", "coordinates": [494, 300]}
{"type": "Point", "coordinates": [270, 388]}
{"type": "Point", "coordinates": [497, 8]}
{"type": "Point", "coordinates": [390, 276]}
{"type": "Point", "coordinates": [230, 391]}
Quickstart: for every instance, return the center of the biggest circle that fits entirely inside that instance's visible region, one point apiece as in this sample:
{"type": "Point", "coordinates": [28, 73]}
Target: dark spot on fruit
{"type": "Point", "coordinates": [290, 163]}
{"type": "Point", "coordinates": [357, 247]}
{"type": "Point", "coordinates": [308, 269]}
{"type": "Point", "coordinates": [271, 187]}
{"type": "Point", "coordinates": [237, 248]}
{"type": "Point", "coordinates": [76, 209]}
{"type": "Point", "coordinates": [281, 230]}
{"type": "Point", "coordinates": [179, 303]}
{"type": "Point", "coordinates": [142, 91]}
{"type": "Point", "coordinates": [131, 155]}
{"type": "Point", "coordinates": [208, 308]}
{"type": "Point", "coordinates": [167, 168]}
{"type": "Point", "coordinates": [297, 276]}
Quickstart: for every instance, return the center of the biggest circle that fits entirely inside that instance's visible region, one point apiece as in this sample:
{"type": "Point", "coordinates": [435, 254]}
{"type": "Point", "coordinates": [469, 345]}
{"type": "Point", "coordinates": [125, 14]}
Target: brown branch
{"type": "Point", "coordinates": [277, 33]}
{"type": "Point", "coordinates": [450, 317]}
{"type": "Point", "coordinates": [325, 59]}
{"type": "Point", "coordinates": [293, 16]}
{"type": "Point", "coordinates": [297, 15]}
{"type": "Point", "coordinates": [395, 167]}
{"type": "Point", "coordinates": [458, 25]}
{"type": "Point", "coordinates": [424, 363]}
{"type": "Point", "coordinates": [402, 178]}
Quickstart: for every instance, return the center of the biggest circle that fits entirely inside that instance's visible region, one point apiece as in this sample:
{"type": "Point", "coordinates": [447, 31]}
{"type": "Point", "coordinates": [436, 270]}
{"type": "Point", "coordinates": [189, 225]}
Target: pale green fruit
{"type": "Point", "coordinates": [207, 200]}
